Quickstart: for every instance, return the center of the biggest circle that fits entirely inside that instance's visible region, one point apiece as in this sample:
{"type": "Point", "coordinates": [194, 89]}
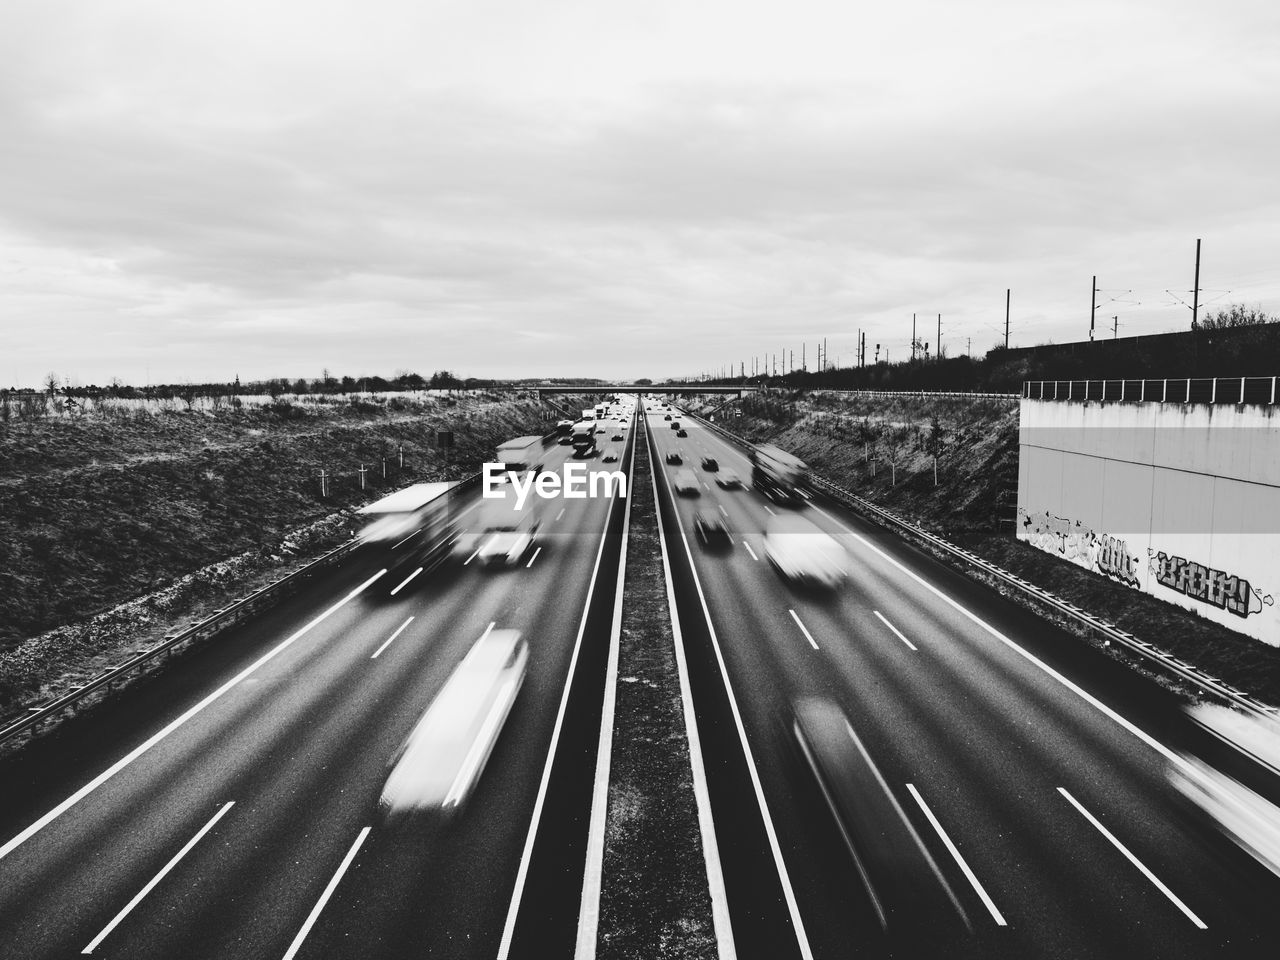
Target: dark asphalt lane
{"type": "Point", "coordinates": [301, 747]}
{"type": "Point", "coordinates": [985, 738]}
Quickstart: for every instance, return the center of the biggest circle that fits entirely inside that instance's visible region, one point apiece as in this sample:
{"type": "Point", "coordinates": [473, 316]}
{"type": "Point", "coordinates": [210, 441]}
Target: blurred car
{"type": "Point", "coordinates": [710, 529]}
{"type": "Point", "coordinates": [617, 436]}
{"type": "Point", "coordinates": [710, 464]}
{"type": "Point", "coordinates": [601, 430]}
{"type": "Point", "coordinates": [685, 481]}
{"type": "Point", "coordinates": [440, 762]}
{"type": "Point", "coordinates": [804, 553]}
{"type": "Point", "coordinates": [1247, 818]}
{"type": "Point", "coordinates": [675, 457]}
{"type": "Point", "coordinates": [728, 478]}
{"type": "Point", "coordinates": [610, 457]}
{"type": "Point", "coordinates": [682, 433]}
{"type": "Point", "coordinates": [667, 417]}
{"type": "Point", "coordinates": [901, 877]}
{"type": "Point", "coordinates": [675, 424]}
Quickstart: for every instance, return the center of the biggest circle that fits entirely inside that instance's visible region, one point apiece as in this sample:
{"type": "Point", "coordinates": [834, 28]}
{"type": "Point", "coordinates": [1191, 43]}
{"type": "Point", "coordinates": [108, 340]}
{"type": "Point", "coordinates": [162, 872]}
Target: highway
{"type": "Point", "coordinates": [1031, 769]}
{"type": "Point", "coordinates": [228, 808]}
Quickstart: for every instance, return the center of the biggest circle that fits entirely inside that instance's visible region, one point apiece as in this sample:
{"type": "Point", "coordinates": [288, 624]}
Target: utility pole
{"type": "Point", "coordinates": [1115, 327]}
{"type": "Point", "coordinates": [937, 355]}
{"type": "Point", "coordinates": [1008, 292]}
{"type": "Point", "coordinates": [968, 348]}
{"type": "Point", "coordinates": [1093, 304]}
{"type": "Point", "coordinates": [803, 365]}
{"type": "Point", "coordinates": [913, 336]}
{"type": "Point", "coordinates": [1195, 292]}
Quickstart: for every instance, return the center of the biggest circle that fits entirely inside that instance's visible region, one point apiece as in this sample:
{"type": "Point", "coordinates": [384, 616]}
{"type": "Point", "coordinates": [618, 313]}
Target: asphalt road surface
{"type": "Point", "coordinates": [1032, 771]}
{"type": "Point", "coordinates": [228, 808]}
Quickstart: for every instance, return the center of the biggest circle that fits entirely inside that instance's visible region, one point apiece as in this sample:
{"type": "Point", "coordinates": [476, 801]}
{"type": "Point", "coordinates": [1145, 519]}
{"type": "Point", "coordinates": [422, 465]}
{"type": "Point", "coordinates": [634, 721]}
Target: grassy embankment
{"type": "Point", "coordinates": [122, 520]}
{"type": "Point", "coordinates": [883, 450]}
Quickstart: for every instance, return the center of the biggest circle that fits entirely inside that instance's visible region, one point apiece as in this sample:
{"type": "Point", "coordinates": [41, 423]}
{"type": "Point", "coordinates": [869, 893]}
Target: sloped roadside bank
{"type": "Point", "coordinates": [654, 900]}
{"type": "Point", "coordinates": [168, 554]}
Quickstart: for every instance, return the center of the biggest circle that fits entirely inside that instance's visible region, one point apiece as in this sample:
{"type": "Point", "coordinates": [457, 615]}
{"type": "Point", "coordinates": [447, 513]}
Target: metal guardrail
{"type": "Point", "coordinates": [157, 654]}
{"type": "Point", "coordinates": [1234, 390]}
{"type": "Point", "coordinates": [931, 394]}
{"type": "Point", "coordinates": [219, 621]}
{"type": "Point", "coordinates": [892, 521]}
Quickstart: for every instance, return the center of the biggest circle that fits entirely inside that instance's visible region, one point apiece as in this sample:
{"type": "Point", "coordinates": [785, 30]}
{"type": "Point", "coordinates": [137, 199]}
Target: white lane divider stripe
{"type": "Point", "coordinates": [592, 879]}
{"type": "Point", "coordinates": [324, 897]}
{"type": "Point", "coordinates": [561, 513]}
{"type": "Point", "coordinates": [951, 848]}
{"type": "Point", "coordinates": [115, 921]}
{"type": "Point", "coordinates": [533, 558]}
{"type": "Point", "coordinates": [404, 583]}
{"type": "Point", "coordinates": [749, 550]}
{"type": "Point", "coordinates": [513, 911]}
{"type": "Point", "coordinates": [896, 631]}
{"type": "Point", "coordinates": [387, 643]}
{"type": "Point", "coordinates": [1134, 860]}
{"type": "Point", "coordinates": [807, 635]}
{"type": "Point", "coordinates": [720, 919]}
{"type": "Point", "coordinates": [784, 877]}
{"type": "Point", "coordinates": [155, 738]}
{"type": "Point", "coordinates": [1031, 658]}
{"type": "Point", "coordinates": [409, 537]}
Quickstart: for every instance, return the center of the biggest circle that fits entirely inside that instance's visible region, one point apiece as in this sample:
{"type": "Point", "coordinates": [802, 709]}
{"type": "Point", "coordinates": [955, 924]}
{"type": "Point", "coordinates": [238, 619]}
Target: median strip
{"type": "Point", "coordinates": [661, 878]}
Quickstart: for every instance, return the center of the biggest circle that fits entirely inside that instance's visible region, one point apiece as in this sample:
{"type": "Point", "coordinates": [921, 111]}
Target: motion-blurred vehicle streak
{"type": "Point", "coordinates": [440, 762]}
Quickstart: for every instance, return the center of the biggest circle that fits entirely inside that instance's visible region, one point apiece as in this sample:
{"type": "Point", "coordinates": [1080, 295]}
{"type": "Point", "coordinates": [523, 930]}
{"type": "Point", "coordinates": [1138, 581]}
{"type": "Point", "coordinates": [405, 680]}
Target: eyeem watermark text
{"type": "Point", "coordinates": [573, 483]}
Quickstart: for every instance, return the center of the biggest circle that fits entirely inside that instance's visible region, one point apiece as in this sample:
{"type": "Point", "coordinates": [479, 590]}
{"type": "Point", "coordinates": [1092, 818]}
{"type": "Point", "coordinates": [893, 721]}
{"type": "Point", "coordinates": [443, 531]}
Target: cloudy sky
{"type": "Point", "coordinates": [192, 191]}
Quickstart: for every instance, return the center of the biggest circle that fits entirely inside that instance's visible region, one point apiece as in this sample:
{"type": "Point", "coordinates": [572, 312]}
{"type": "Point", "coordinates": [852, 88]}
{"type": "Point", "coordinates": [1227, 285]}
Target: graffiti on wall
{"type": "Point", "coordinates": [1217, 587]}
{"type": "Point", "coordinates": [1076, 542]}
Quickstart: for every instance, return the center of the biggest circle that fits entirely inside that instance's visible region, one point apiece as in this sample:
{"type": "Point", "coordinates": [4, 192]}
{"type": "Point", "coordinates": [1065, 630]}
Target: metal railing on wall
{"type": "Point", "coordinates": [1233, 390]}
{"type": "Point", "coordinates": [943, 394]}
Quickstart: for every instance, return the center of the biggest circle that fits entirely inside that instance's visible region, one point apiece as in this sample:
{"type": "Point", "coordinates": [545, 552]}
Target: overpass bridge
{"type": "Point", "coordinates": [674, 388]}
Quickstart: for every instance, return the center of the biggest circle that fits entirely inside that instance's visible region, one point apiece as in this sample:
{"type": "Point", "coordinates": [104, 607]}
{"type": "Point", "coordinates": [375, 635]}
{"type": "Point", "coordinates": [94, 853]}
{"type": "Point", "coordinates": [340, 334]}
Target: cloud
{"type": "Point", "coordinates": [592, 188]}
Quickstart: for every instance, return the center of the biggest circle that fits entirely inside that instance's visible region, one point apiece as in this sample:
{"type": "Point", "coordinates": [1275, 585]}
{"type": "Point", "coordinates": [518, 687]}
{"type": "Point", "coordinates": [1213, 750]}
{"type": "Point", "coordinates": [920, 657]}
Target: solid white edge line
{"type": "Point", "coordinates": [793, 908]}
{"type": "Point", "coordinates": [324, 897]}
{"type": "Point", "coordinates": [1142, 735]}
{"type": "Point", "coordinates": [508, 928]}
{"type": "Point", "coordinates": [533, 558]}
{"type": "Point", "coordinates": [725, 947]}
{"type": "Point", "coordinates": [896, 631]}
{"type": "Point", "coordinates": [955, 854]}
{"type": "Point", "coordinates": [1134, 860]}
{"type": "Point", "coordinates": [157, 878]}
{"type": "Point", "coordinates": [589, 906]}
{"type": "Point", "coordinates": [807, 635]}
{"type": "Point", "coordinates": [173, 725]}
{"type": "Point", "coordinates": [750, 551]}
{"type": "Point", "coordinates": [387, 642]}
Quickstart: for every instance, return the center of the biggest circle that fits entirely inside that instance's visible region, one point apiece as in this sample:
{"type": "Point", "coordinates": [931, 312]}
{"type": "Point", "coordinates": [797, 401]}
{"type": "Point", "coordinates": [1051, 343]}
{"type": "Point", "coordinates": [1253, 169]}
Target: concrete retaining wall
{"type": "Point", "coordinates": [1181, 501]}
